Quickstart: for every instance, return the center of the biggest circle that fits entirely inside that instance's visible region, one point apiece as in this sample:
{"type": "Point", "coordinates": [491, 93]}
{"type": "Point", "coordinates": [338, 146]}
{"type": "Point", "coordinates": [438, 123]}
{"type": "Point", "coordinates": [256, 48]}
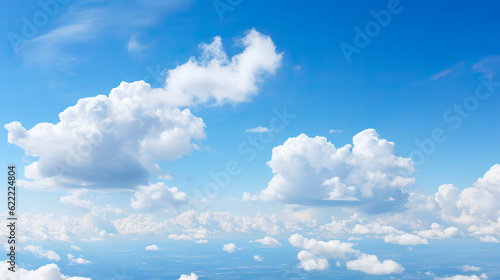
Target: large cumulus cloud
{"type": "Point", "coordinates": [311, 170]}
{"type": "Point", "coordinates": [115, 140]}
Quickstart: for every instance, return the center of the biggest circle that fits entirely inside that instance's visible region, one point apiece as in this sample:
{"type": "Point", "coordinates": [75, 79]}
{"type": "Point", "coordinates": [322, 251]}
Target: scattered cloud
{"type": "Point", "coordinates": [269, 241]}
{"type": "Point", "coordinates": [134, 46]}
{"type": "Point", "coordinates": [153, 247]}
{"type": "Point", "coordinates": [157, 196]}
{"type": "Point", "coordinates": [74, 247]}
{"type": "Point", "coordinates": [191, 276]}
{"type": "Point", "coordinates": [230, 248]}
{"type": "Point", "coordinates": [46, 272]}
{"type": "Point", "coordinates": [463, 277]}
{"type": "Point", "coordinates": [405, 239]}
{"type": "Point", "coordinates": [258, 129]}
{"type": "Point", "coordinates": [258, 258]}
{"type": "Point", "coordinates": [371, 265]}
{"type": "Point", "coordinates": [79, 260]}
{"type": "Point", "coordinates": [118, 138]}
{"type": "Point", "coordinates": [39, 252]}
{"type": "Point", "coordinates": [468, 268]}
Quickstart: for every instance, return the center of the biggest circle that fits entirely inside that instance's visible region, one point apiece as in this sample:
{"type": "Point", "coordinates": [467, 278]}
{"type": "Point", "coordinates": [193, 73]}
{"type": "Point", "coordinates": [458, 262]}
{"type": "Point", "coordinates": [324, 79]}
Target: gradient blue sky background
{"type": "Point", "coordinates": [428, 58]}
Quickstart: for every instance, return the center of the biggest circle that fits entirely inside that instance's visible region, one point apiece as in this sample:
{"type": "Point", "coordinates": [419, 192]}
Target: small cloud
{"type": "Point", "coordinates": [269, 241]}
{"type": "Point", "coordinates": [258, 129]}
{"type": "Point", "coordinates": [134, 46]}
{"type": "Point", "coordinates": [334, 131]}
{"type": "Point", "coordinates": [152, 248]}
{"type": "Point", "coordinates": [79, 260]}
{"type": "Point", "coordinates": [467, 268]}
{"type": "Point", "coordinates": [258, 258]}
{"type": "Point", "coordinates": [230, 248]}
{"type": "Point", "coordinates": [201, 241]}
{"type": "Point", "coordinates": [188, 277]}
{"type": "Point", "coordinates": [488, 239]}
{"type": "Point", "coordinates": [166, 177]}
{"type": "Point", "coordinates": [297, 67]}
{"type": "Point", "coordinates": [76, 248]}
{"type": "Point", "coordinates": [39, 252]}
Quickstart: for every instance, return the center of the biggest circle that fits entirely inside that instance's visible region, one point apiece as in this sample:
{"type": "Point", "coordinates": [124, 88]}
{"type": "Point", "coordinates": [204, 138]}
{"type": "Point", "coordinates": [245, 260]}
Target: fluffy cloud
{"type": "Point", "coordinates": [405, 239]}
{"type": "Point", "coordinates": [114, 141]}
{"type": "Point", "coordinates": [47, 272]}
{"type": "Point", "coordinates": [316, 253]}
{"type": "Point", "coordinates": [230, 248]}
{"type": "Point", "coordinates": [333, 248]}
{"type": "Point", "coordinates": [158, 196]}
{"type": "Point", "coordinates": [269, 241]}
{"type": "Point", "coordinates": [34, 227]}
{"type": "Point", "coordinates": [313, 171]}
{"type": "Point", "coordinates": [80, 260]}
{"type": "Point", "coordinates": [310, 261]}
{"type": "Point", "coordinates": [219, 79]}
{"type": "Point", "coordinates": [258, 258]}
{"type": "Point", "coordinates": [76, 248]}
{"type": "Point", "coordinates": [153, 247]}
{"type": "Point", "coordinates": [371, 265]}
{"type": "Point", "coordinates": [437, 231]}
{"type": "Point", "coordinates": [191, 276]}
{"type": "Point", "coordinates": [478, 203]}
{"type": "Point", "coordinates": [39, 252]}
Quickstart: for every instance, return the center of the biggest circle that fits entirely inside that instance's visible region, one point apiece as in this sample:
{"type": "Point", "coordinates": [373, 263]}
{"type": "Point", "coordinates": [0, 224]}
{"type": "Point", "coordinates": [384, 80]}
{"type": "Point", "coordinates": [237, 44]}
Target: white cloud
{"type": "Point", "coordinates": [258, 129]}
{"type": "Point", "coordinates": [489, 239]}
{"type": "Point", "coordinates": [463, 277]}
{"type": "Point", "coordinates": [467, 268]}
{"type": "Point", "coordinates": [478, 203]}
{"type": "Point", "coordinates": [371, 265]}
{"type": "Point", "coordinates": [133, 45]}
{"type": "Point", "coordinates": [76, 248]}
{"type": "Point", "coordinates": [313, 171]}
{"type": "Point", "coordinates": [258, 258]}
{"type": "Point", "coordinates": [334, 131]}
{"type": "Point", "coordinates": [79, 260]}
{"type": "Point", "coordinates": [158, 196]}
{"type": "Point", "coordinates": [39, 252]}
{"type": "Point", "coordinates": [405, 239]}
{"type": "Point", "coordinates": [153, 247]}
{"type": "Point", "coordinates": [46, 272]}
{"type": "Point", "coordinates": [309, 261]}
{"type": "Point", "coordinates": [75, 199]}
{"type": "Point", "coordinates": [437, 231]}
{"type": "Point", "coordinates": [230, 248]}
{"type": "Point", "coordinates": [118, 138]}
{"type": "Point", "coordinates": [316, 253]}
{"type": "Point", "coordinates": [332, 248]}
{"type": "Point", "coordinates": [219, 79]}
{"type": "Point", "coordinates": [375, 228]}
{"type": "Point", "coordinates": [192, 276]}
{"type": "Point", "coordinates": [269, 241]}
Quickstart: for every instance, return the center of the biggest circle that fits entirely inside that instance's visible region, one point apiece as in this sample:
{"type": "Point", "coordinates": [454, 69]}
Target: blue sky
{"type": "Point", "coordinates": [403, 130]}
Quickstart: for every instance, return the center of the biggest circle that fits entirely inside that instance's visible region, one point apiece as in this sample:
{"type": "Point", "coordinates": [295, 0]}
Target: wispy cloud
{"type": "Point", "coordinates": [258, 129]}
